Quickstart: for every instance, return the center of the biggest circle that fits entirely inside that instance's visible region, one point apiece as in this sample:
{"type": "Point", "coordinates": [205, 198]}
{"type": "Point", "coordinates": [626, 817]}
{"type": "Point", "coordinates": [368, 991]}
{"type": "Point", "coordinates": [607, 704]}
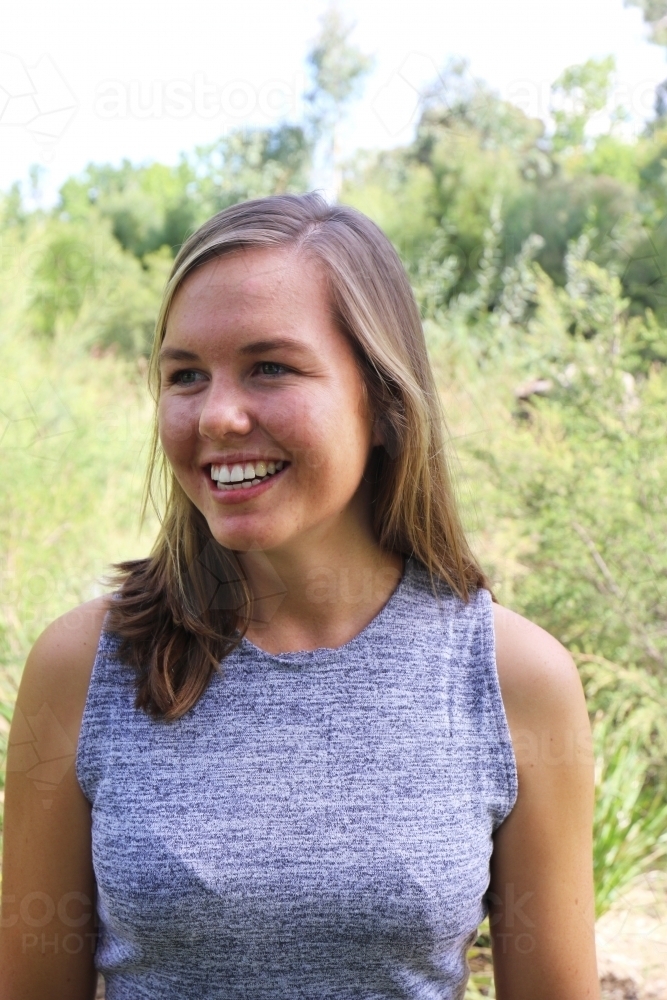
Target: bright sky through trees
{"type": "Point", "coordinates": [145, 81]}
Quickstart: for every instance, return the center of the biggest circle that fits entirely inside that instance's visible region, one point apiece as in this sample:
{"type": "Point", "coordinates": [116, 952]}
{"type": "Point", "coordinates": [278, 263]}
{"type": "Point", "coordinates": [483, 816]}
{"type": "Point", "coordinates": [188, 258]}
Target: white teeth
{"type": "Point", "coordinates": [255, 482]}
{"type": "Point", "coordinates": [249, 474]}
{"type": "Point", "coordinates": [246, 484]}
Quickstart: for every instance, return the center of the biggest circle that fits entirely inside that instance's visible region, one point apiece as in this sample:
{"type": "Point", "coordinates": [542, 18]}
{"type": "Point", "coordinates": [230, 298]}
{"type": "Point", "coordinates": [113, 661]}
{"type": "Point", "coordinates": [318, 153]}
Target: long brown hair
{"type": "Point", "coordinates": [180, 611]}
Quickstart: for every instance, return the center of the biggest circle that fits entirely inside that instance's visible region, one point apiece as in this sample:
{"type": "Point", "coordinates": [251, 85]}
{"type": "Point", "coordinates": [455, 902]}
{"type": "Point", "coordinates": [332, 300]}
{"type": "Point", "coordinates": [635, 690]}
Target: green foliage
{"type": "Point", "coordinates": [155, 206]}
{"type": "Point", "coordinates": [148, 207]}
{"type": "Point", "coordinates": [473, 150]}
{"type": "Point", "coordinates": [121, 314]}
{"type": "Point", "coordinates": [630, 741]}
{"type": "Point", "coordinates": [560, 209]}
{"type": "Point", "coordinates": [397, 193]}
{"type": "Point", "coordinates": [630, 819]}
{"type": "Point", "coordinates": [82, 283]}
{"type": "Point", "coordinates": [556, 400]}
{"type": "Point", "coordinates": [645, 275]}
{"type": "Point", "coordinates": [73, 433]}
{"type": "Point", "coordinates": [481, 985]}
{"type": "Point", "coordinates": [337, 68]}
{"type": "Point", "coordinates": [578, 94]}
{"type": "Point", "coordinates": [608, 156]}
{"type": "Point", "coordinates": [655, 14]}
{"type": "Point", "coordinates": [582, 466]}
{"type": "Point", "coordinates": [65, 271]}
{"type": "Point", "coordinates": [249, 164]}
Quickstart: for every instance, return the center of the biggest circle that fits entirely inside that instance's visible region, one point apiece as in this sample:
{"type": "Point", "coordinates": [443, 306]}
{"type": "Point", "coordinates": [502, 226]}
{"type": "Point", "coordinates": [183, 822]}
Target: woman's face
{"type": "Point", "coordinates": [255, 375]}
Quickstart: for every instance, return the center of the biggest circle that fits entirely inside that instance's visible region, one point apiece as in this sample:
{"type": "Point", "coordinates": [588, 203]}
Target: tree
{"type": "Point", "coordinates": [578, 94]}
{"type": "Point", "coordinates": [250, 163]}
{"type": "Point", "coordinates": [149, 206]}
{"type": "Point", "coordinates": [459, 103]}
{"type": "Point", "coordinates": [655, 14]}
{"type": "Point", "coordinates": [337, 68]}
{"type": "Point", "coordinates": [154, 205]}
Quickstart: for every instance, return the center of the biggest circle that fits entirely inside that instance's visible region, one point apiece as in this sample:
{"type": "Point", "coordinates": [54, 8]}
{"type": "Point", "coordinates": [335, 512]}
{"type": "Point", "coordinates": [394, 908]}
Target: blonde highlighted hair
{"type": "Point", "coordinates": [180, 611]}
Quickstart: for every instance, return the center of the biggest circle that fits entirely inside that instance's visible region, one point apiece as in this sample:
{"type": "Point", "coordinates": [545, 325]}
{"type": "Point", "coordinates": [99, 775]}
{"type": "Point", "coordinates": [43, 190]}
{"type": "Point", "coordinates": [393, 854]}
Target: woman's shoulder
{"type": "Point", "coordinates": [539, 681]}
{"type": "Point", "coordinates": [58, 669]}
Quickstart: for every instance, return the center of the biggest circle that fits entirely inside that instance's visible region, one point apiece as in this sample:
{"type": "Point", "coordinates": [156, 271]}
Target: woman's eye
{"type": "Point", "coordinates": [181, 377]}
{"type": "Point", "coordinates": [271, 368]}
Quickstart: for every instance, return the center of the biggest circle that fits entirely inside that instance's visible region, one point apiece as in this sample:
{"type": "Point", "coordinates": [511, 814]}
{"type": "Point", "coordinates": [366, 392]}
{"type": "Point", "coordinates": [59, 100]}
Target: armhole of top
{"type": "Point", "coordinates": [495, 692]}
{"type": "Point", "coordinates": [85, 734]}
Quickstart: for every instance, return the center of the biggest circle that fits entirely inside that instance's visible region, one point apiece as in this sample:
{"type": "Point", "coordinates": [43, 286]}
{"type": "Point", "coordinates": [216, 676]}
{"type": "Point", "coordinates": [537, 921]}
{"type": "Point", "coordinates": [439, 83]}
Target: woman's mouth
{"type": "Point", "coordinates": [243, 480]}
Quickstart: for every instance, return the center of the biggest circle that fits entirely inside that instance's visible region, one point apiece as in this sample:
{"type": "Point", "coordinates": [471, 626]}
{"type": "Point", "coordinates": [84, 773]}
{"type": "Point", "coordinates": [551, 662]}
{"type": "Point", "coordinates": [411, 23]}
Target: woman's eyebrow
{"type": "Point", "coordinates": [256, 347]}
{"type": "Point", "coordinates": [177, 354]}
{"type": "Point", "coordinates": [280, 343]}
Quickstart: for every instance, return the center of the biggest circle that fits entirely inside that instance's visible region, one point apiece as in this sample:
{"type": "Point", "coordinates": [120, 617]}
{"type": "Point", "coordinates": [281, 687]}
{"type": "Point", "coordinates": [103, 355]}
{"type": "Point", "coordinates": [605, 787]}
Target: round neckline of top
{"type": "Point", "coordinates": [325, 653]}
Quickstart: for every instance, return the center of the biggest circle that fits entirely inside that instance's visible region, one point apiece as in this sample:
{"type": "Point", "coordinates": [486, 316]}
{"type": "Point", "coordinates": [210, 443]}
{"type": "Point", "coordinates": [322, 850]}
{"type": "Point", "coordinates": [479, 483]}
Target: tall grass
{"type": "Point", "coordinates": [73, 435]}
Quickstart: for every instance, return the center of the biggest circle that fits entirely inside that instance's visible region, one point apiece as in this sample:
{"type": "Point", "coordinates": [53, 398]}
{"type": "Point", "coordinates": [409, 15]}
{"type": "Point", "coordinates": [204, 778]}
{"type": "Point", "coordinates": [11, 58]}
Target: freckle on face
{"type": "Point", "coordinates": [316, 416]}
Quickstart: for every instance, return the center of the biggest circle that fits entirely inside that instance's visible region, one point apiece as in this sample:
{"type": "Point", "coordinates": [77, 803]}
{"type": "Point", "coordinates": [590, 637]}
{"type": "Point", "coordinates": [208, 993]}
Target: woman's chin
{"type": "Point", "coordinates": [245, 541]}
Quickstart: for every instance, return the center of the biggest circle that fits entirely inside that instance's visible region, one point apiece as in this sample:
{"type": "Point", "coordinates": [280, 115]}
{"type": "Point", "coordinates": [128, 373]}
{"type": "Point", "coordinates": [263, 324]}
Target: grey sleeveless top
{"type": "Point", "coordinates": [318, 826]}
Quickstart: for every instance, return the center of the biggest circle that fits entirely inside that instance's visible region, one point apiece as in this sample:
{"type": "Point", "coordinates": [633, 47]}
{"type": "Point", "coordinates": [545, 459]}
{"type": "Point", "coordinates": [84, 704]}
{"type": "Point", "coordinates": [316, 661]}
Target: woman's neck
{"type": "Point", "coordinates": [318, 595]}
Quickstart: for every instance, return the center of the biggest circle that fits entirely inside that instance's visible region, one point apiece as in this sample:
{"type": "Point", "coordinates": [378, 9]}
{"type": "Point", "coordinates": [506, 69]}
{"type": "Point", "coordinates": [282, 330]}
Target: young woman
{"type": "Point", "coordinates": [308, 753]}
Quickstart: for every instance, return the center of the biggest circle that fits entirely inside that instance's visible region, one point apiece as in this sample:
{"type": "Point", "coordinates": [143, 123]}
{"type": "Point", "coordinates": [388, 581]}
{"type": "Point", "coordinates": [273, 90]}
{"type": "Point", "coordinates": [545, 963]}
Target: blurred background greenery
{"type": "Point", "coordinates": [539, 261]}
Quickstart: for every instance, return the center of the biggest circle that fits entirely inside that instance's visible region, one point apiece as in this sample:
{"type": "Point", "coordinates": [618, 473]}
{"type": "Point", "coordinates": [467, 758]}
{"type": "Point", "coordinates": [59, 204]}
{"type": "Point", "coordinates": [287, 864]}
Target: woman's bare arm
{"type": "Point", "coordinates": [542, 910]}
{"type": "Point", "coordinates": [48, 928]}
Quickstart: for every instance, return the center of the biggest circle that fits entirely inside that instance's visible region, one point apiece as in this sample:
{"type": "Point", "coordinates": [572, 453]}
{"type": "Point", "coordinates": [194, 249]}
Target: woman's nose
{"type": "Point", "coordinates": [225, 412]}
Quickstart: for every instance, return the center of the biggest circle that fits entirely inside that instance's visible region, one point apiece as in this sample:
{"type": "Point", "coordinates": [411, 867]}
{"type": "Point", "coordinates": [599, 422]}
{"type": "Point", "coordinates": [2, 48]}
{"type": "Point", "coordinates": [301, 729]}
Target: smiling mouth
{"type": "Point", "coordinates": [232, 478]}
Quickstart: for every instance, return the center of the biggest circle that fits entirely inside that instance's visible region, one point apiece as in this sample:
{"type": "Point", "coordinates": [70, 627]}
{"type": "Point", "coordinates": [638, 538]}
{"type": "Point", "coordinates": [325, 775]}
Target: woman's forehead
{"type": "Point", "coordinates": [248, 292]}
{"type": "Point", "coordinates": [257, 272]}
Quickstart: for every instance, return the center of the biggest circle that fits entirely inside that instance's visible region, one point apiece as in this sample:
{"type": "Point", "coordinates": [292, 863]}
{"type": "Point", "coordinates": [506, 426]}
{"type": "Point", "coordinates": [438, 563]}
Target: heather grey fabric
{"type": "Point", "coordinates": [317, 827]}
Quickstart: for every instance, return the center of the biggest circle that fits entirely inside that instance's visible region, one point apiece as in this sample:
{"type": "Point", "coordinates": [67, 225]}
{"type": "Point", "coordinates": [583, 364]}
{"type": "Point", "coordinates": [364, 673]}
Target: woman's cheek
{"type": "Point", "coordinates": [286, 423]}
{"type": "Point", "coordinates": [177, 423]}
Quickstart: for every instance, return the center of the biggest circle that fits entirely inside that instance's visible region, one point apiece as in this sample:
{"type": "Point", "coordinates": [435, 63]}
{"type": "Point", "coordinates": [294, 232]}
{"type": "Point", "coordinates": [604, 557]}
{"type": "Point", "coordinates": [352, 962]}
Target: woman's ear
{"type": "Point", "coordinates": [386, 435]}
{"type": "Point", "coordinates": [378, 437]}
